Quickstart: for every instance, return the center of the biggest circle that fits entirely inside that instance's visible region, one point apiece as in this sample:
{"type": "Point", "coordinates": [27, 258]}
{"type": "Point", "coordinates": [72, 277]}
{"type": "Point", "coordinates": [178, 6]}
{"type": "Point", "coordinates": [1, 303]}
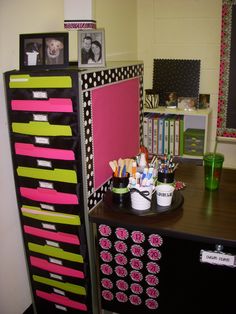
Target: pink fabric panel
{"type": "Point", "coordinates": [115, 118]}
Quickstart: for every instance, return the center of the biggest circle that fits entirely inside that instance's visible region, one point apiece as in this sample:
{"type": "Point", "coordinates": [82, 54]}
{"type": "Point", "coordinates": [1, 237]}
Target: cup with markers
{"type": "Point", "coordinates": [141, 185]}
{"type": "Point", "coordinates": [165, 180]}
{"type": "Point", "coordinates": [120, 180]}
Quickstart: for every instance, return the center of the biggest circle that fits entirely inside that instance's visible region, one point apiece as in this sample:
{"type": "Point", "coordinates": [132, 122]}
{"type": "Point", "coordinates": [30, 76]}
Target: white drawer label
{"type": "Point", "coordinates": [60, 307]}
{"type": "Point", "coordinates": [46, 206]}
{"type": "Point", "coordinates": [59, 291]}
{"type": "Point", "coordinates": [44, 163]}
{"type": "Point", "coordinates": [40, 117]}
{"type": "Point", "coordinates": [55, 276]}
{"type": "Point", "coordinates": [218, 258]}
{"type": "Point", "coordinates": [42, 140]}
{"type": "Point", "coordinates": [40, 94]}
{"type": "Point", "coordinates": [52, 243]}
{"type": "Point", "coordinates": [46, 185]}
{"type": "Point", "coordinates": [48, 226]}
{"type": "Point", "coordinates": [55, 261]}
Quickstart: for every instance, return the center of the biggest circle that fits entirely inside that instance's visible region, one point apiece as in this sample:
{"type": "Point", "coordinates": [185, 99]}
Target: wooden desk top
{"type": "Point", "coordinates": [204, 216]}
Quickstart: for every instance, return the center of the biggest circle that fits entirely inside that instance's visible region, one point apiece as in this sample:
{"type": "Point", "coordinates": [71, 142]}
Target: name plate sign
{"type": "Point", "coordinates": [218, 258]}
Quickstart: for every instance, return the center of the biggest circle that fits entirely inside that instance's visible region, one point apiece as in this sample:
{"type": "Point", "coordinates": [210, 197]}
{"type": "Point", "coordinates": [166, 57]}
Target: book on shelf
{"type": "Point", "coordinates": [161, 134]}
{"type": "Point", "coordinates": [181, 135]}
{"type": "Point", "coordinates": [172, 136]}
{"type": "Point", "coordinates": [155, 135]}
{"type": "Point", "coordinates": [166, 135]}
{"type": "Point", "coordinates": [176, 126]}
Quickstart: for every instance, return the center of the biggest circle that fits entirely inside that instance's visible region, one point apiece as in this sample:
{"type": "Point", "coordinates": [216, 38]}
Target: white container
{"type": "Point", "coordinates": [164, 193]}
{"type": "Point", "coordinates": [139, 201]}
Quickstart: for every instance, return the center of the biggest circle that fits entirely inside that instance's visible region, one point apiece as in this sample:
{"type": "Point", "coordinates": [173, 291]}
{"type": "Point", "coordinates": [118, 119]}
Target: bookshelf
{"type": "Point", "coordinates": [193, 131]}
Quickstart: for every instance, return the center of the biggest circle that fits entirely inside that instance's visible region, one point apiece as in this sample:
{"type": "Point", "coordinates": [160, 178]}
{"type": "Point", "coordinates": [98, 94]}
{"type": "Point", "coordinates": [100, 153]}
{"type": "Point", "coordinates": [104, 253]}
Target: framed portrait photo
{"type": "Point", "coordinates": [43, 51]}
{"type": "Point", "coordinates": [91, 48]}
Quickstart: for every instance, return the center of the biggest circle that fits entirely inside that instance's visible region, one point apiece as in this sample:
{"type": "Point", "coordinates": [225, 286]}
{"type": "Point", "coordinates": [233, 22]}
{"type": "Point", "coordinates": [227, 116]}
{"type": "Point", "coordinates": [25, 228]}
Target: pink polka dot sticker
{"type": "Point", "coordinates": [105, 243]}
{"type": "Point", "coordinates": [121, 297]}
{"type": "Point", "coordinates": [120, 246]}
{"type": "Point", "coordinates": [138, 236]}
{"type": "Point", "coordinates": [136, 288]}
{"type": "Point", "coordinates": [151, 304]}
{"type": "Point", "coordinates": [122, 285]}
{"type": "Point", "coordinates": [152, 280]}
{"type": "Point", "coordinates": [136, 263]}
{"type": "Point", "coordinates": [137, 250]}
{"type": "Point", "coordinates": [107, 295]}
{"type": "Point", "coordinates": [152, 292]}
{"type": "Point", "coordinates": [155, 240]}
{"type": "Point", "coordinates": [135, 299]}
{"type": "Point", "coordinates": [136, 275]}
{"type": "Point", "coordinates": [121, 259]}
{"type": "Point", "coordinates": [104, 230]}
{"type": "Point", "coordinates": [107, 283]}
{"type": "Point", "coordinates": [121, 271]}
{"type": "Point", "coordinates": [153, 268]}
{"type": "Point", "coordinates": [106, 269]}
{"type": "Point", "coordinates": [106, 256]}
{"type": "Point", "coordinates": [122, 233]}
{"type": "Point", "coordinates": [154, 254]}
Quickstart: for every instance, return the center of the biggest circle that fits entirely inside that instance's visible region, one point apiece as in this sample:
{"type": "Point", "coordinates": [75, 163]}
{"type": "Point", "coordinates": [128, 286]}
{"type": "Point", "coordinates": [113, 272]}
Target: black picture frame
{"type": "Point", "coordinates": [44, 51]}
{"type": "Point", "coordinates": [97, 37]}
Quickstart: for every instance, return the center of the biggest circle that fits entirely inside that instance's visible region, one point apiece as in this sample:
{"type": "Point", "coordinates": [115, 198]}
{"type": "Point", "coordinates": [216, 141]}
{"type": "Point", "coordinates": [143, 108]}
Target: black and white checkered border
{"type": "Point", "coordinates": [89, 81]}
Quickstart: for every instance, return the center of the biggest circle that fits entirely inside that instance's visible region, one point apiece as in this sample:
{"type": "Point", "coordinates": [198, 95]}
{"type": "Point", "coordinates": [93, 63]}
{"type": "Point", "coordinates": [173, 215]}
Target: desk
{"type": "Point", "coordinates": [179, 281]}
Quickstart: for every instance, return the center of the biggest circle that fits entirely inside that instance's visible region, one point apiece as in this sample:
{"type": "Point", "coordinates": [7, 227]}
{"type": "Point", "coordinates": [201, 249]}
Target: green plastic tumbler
{"type": "Point", "coordinates": [212, 167]}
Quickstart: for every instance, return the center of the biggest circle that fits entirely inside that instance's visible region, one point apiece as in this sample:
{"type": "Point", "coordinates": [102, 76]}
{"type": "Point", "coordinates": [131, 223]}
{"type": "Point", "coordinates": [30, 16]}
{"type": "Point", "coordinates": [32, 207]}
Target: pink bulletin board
{"type": "Point", "coordinates": [115, 125]}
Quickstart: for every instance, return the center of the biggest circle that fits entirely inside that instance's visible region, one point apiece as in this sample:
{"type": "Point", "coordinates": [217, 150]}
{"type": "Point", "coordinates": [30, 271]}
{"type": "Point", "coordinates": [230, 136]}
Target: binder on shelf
{"type": "Point", "coordinates": [172, 135]}
{"type": "Point", "coordinates": [49, 196]}
{"type": "Point", "coordinates": [155, 135]}
{"type": "Point", "coordinates": [161, 135]}
{"type": "Point", "coordinates": [58, 269]}
{"type": "Point", "coordinates": [166, 135]}
{"type": "Point", "coordinates": [145, 129]}
{"type": "Point", "coordinates": [55, 252]}
{"type": "Point", "coordinates": [42, 152]}
{"type": "Point", "coordinates": [49, 105]}
{"type": "Point", "coordinates": [181, 135]}
{"type": "Point", "coordinates": [41, 129]}
{"type": "Point", "coordinates": [177, 135]}
{"type": "Point", "coordinates": [150, 133]}
{"type": "Point", "coordinates": [45, 215]}
{"type": "Point", "coordinates": [66, 286]}
{"type": "Point", "coordinates": [61, 175]}
{"type": "Point", "coordinates": [28, 81]}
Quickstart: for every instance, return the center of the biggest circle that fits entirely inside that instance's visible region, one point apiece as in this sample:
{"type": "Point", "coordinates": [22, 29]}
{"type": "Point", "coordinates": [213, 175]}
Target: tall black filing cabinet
{"type": "Point", "coordinates": [54, 122]}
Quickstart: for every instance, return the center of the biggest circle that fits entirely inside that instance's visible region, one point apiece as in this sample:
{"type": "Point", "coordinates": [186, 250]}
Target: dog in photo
{"type": "Point", "coordinates": [54, 51]}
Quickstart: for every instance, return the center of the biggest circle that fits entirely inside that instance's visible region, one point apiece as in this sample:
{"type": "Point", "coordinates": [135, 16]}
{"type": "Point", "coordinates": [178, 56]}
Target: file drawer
{"type": "Point", "coordinates": [30, 81]}
{"type": "Point", "coordinates": [46, 266]}
{"type": "Point", "coordinates": [55, 303]}
{"type": "Point", "coordinates": [50, 196]}
{"type": "Point", "coordinates": [48, 105]}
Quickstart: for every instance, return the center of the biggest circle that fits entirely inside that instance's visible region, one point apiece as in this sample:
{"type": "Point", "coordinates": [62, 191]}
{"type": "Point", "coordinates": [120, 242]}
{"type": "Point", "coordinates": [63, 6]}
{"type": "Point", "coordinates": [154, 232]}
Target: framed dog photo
{"type": "Point", "coordinates": [91, 48]}
{"type": "Point", "coordinates": [44, 51]}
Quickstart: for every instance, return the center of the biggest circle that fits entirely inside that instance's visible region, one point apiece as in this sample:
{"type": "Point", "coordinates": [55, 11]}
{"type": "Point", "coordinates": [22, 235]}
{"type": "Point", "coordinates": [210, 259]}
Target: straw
{"type": "Point", "coordinates": [214, 157]}
{"type": "Point", "coordinates": [215, 146]}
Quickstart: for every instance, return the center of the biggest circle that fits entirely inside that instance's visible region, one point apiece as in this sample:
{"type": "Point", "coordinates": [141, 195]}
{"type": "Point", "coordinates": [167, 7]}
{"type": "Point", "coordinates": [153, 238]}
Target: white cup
{"type": "Point", "coordinates": [139, 201]}
{"type": "Point", "coordinates": [164, 193]}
